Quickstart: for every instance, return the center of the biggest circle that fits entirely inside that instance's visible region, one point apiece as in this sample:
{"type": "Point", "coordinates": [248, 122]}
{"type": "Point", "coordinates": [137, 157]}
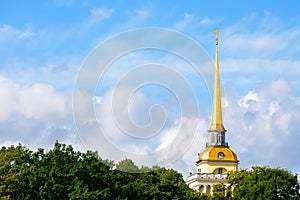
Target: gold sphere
{"type": "Point", "coordinates": [216, 32]}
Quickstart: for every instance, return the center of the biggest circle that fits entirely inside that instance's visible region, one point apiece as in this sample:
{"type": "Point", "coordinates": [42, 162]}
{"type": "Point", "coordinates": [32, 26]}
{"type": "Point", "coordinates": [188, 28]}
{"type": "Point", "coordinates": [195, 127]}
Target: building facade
{"type": "Point", "coordinates": [217, 159]}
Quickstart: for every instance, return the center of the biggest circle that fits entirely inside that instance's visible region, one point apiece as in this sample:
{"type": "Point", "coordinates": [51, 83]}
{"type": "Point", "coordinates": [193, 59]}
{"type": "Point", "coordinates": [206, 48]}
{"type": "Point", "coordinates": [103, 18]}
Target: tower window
{"type": "Point", "coordinates": [221, 155]}
{"type": "Point", "coordinates": [220, 171]}
{"type": "Point", "coordinates": [219, 138]}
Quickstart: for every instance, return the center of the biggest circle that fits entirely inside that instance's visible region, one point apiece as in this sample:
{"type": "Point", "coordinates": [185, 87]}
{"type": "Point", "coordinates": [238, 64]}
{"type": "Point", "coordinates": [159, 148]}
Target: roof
{"type": "Point", "coordinates": [215, 153]}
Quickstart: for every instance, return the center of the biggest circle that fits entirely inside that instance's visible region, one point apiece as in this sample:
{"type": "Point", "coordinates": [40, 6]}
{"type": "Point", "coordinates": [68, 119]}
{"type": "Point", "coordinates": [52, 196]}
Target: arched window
{"type": "Point", "coordinates": [201, 188]}
{"type": "Point", "coordinates": [220, 171]}
{"type": "Point", "coordinates": [208, 189]}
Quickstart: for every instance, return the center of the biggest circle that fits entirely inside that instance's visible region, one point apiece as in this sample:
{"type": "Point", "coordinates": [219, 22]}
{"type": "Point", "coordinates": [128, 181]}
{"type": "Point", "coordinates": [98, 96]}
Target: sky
{"type": "Point", "coordinates": [151, 104]}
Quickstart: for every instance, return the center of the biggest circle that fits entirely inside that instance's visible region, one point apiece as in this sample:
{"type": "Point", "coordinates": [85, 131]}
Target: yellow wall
{"type": "Point", "coordinates": [212, 167]}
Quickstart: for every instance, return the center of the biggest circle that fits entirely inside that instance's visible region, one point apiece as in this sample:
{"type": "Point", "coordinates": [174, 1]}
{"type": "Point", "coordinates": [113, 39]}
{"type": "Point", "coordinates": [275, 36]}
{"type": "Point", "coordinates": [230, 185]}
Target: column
{"type": "Point", "coordinates": [211, 189]}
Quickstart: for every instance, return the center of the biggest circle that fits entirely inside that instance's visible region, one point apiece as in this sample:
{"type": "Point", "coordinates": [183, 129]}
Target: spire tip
{"type": "Point", "coordinates": [216, 32]}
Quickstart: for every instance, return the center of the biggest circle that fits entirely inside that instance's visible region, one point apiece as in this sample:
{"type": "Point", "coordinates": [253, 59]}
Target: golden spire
{"type": "Point", "coordinates": [216, 121]}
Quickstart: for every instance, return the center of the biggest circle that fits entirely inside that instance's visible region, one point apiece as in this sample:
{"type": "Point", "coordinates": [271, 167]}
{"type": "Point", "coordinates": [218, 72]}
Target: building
{"type": "Point", "coordinates": [217, 159]}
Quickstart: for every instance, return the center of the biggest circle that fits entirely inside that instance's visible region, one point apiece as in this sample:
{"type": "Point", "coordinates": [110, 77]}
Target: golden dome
{"type": "Point", "coordinates": [213, 153]}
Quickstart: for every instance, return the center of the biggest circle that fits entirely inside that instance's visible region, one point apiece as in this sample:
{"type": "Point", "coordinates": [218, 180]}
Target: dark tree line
{"type": "Point", "coordinates": [62, 173]}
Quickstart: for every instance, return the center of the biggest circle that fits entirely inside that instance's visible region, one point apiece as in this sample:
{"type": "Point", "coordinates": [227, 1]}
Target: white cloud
{"type": "Point", "coordinates": [9, 98]}
{"type": "Point", "coordinates": [9, 32]}
{"type": "Point", "coordinates": [261, 125]}
{"type": "Point", "coordinates": [188, 18]}
{"type": "Point", "coordinates": [135, 18]}
{"type": "Point", "coordinates": [206, 21]}
{"type": "Point", "coordinates": [191, 20]}
{"type": "Point", "coordinates": [245, 74]}
{"type": "Point", "coordinates": [59, 75]}
{"type": "Point", "coordinates": [143, 13]}
{"type": "Point", "coordinates": [39, 101]}
{"type": "Point", "coordinates": [261, 128]}
{"type": "Point", "coordinates": [127, 127]}
{"type": "Point", "coordinates": [34, 115]}
{"type": "Point", "coordinates": [28, 32]}
{"type": "Point", "coordinates": [99, 14]}
{"type": "Point", "coordinates": [5, 28]}
{"type": "Point", "coordinates": [247, 99]}
{"type": "Point", "coordinates": [124, 120]}
{"type": "Point", "coordinates": [186, 163]}
{"type": "Point", "coordinates": [272, 38]}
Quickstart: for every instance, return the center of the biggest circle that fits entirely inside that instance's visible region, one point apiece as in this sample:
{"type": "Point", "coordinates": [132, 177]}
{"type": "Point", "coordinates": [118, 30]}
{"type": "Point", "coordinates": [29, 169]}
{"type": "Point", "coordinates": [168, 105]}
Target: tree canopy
{"type": "Point", "coordinates": [63, 173]}
{"type": "Point", "coordinates": [264, 183]}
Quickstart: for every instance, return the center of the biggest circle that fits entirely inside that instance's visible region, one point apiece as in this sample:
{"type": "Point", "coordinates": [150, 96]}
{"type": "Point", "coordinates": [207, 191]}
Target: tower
{"type": "Point", "coordinates": [217, 159]}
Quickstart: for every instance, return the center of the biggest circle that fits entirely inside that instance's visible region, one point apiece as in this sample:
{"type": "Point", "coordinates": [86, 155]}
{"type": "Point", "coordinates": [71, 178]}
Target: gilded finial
{"type": "Point", "coordinates": [216, 32]}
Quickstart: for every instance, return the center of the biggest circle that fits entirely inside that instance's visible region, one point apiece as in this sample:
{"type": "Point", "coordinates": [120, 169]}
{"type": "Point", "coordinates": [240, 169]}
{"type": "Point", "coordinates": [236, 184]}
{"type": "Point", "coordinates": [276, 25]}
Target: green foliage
{"type": "Point", "coordinates": [165, 183]}
{"type": "Point", "coordinates": [14, 170]}
{"type": "Point", "coordinates": [219, 192]}
{"type": "Point", "coordinates": [127, 165]}
{"type": "Point", "coordinates": [62, 173]}
{"type": "Point", "coordinates": [264, 183]}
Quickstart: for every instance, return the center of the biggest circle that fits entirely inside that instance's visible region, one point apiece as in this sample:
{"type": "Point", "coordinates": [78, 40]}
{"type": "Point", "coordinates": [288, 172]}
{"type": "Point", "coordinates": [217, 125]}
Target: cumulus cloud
{"type": "Point", "coordinates": [130, 123]}
{"type": "Point", "coordinates": [34, 115]}
{"type": "Point", "coordinates": [42, 102]}
{"type": "Point", "coordinates": [128, 127]}
{"type": "Point", "coordinates": [39, 101]}
{"type": "Point", "coordinates": [196, 140]}
{"type": "Point", "coordinates": [261, 125]}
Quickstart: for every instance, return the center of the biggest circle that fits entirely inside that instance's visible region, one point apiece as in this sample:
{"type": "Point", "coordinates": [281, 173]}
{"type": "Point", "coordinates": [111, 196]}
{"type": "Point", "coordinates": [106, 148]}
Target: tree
{"type": "Point", "coordinates": [92, 178]}
{"type": "Point", "coordinates": [264, 183]}
{"type": "Point", "coordinates": [15, 166]}
{"type": "Point", "coordinates": [219, 192]}
{"type": "Point", "coordinates": [127, 165]}
{"type": "Point", "coordinates": [162, 183]}
{"type": "Point", "coordinates": [52, 176]}
{"type": "Point", "coordinates": [63, 173]}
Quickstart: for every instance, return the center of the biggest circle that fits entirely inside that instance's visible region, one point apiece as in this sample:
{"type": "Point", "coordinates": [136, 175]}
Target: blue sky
{"type": "Point", "coordinates": [43, 45]}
